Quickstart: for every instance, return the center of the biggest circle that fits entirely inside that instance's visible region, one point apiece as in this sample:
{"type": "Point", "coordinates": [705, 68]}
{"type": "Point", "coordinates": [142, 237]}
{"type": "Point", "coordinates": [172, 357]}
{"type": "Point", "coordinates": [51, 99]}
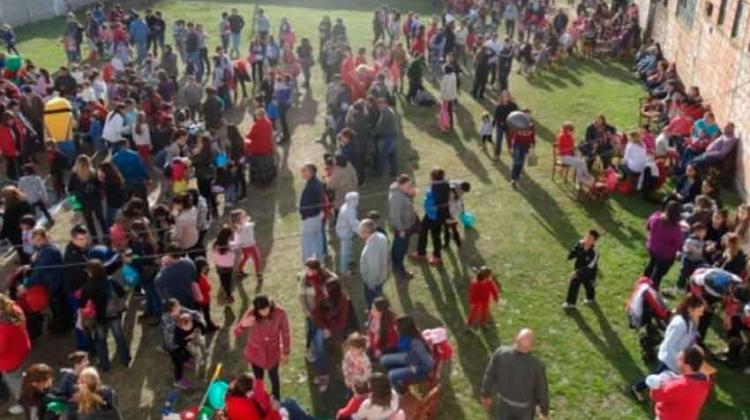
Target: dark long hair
{"type": "Point", "coordinates": [381, 390]}
{"type": "Point", "coordinates": [111, 174]}
{"type": "Point", "coordinates": [387, 317]}
{"type": "Point", "coordinates": [262, 302]}
{"type": "Point", "coordinates": [689, 302]}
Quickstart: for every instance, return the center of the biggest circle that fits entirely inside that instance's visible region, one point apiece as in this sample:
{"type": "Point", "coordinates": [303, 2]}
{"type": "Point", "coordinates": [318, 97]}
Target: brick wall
{"type": "Point", "coordinates": [708, 57]}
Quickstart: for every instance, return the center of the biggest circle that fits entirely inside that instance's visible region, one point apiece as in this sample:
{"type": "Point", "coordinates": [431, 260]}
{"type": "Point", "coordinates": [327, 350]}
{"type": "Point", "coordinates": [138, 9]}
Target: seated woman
{"type": "Point", "coordinates": [636, 162]}
{"type": "Point", "coordinates": [331, 318]}
{"type": "Point", "coordinates": [382, 334]}
{"type": "Point", "coordinates": [733, 259]}
{"type": "Point", "coordinates": [688, 187]}
{"type": "Point", "coordinates": [413, 362]}
{"type": "Point", "coordinates": [704, 131]}
{"type": "Point", "coordinates": [598, 142]}
{"type": "Point", "coordinates": [566, 151]}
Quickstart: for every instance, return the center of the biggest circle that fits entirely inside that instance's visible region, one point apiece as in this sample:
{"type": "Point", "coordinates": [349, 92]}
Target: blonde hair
{"type": "Point", "coordinates": [568, 126]}
{"type": "Point", "coordinates": [83, 168]}
{"type": "Point", "coordinates": [89, 391]}
{"type": "Point", "coordinates": [8, 310]}
{"type": "Point", "coordinates": [12, 196]}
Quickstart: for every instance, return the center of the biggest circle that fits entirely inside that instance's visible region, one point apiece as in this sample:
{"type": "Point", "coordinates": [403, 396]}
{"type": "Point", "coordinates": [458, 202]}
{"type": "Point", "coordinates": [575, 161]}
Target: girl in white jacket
{"type": "Point", "coordinates": [347, 227]}
{"type": "Point", "coordinates": [244, 240]}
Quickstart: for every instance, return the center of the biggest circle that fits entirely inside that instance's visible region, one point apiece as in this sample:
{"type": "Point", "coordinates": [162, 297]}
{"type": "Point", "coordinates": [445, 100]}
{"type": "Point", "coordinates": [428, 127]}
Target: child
{"type": "Point", "coordinates": [586, 260]}
{"type": "Point", "coordinates": [33, 187]}
{"type": "Point", "coordinates": [35, 387]}
{"type": "Point", "coordinates": [68, 385]}
{"type": "Point", "coordinates": [142, 138]}
{"type": "Point", "coordinates": [693, 254]}
{"type": "Point", "coordinates": [27, 224]}
{"type": "Point", "coordinates": [356, 365]}
{"type": "Point", "coordinates": [482, 291]}
{"type": "Point", "coordinates": [455, 207]}
{"type": "Point", "coordinates": [347, 227]}
{"type": "Point", "coordinates": [189, 339]}
{"type": "Point", "coordinates": [361, 393]}
{"type": "Point", "coordinates": [244, 240]}
{"type": "Point", "coordinates": [202, 268]}
{"type": "Point", "coordinates": [225, 258]}
{"type": "Point", "coordinates": [179, 354]}
{"type": "Point", "coordinates": [485, 130]}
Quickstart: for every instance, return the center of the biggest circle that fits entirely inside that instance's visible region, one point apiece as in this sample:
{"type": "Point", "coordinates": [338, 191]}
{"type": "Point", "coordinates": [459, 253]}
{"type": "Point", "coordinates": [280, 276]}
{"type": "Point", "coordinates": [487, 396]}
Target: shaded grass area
{"type": "Point", "coordinates": [523, 235]}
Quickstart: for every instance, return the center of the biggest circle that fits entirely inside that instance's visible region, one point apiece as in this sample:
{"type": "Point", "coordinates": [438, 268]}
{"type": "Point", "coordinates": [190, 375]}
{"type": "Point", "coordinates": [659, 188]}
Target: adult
{"type": "Point", "coordinates": [331, 318]}
{"type": "Point", "coordinates": [75, 258]}
{"type": "Point", "coordinates": [310, 292]}
{"type": "Point", "coordinates": [86, 187]}
{"type": "Point", "coordinates": [521, 141]}
{"type": "Point", "coordinates": [236, 24]}
{"type": "Point", "coordinates": [283, 95]}
{"type": "Point", "coordinates": [343, 180]}
{"type": "Point", "coordinates": [638, 164]}
{"type": "Point", "coordinates": [681, 333]}
{"type": "Point", "coordinates": [93, 400]}
{"type": "Point", "coordinates": [566, 152]}
{"type": "Point", "coordinates": [212, 109]}
{"type": "Point", "coordinates": [203, 161]}
{"type": "Point", "coordinates": [15, 347]}
{"type": "Point", "coordinates": [683, 396]}
{"type": "Point", "coordinates": [185, 233]}
{"type": "Point", "coordinates": [133, 170]}
{"type": "Point", "coordinates": [156, 29]}
{"type": "Point", "coordinates": [403, 219]}
{"type": "Point", "coordinates": [719, 149]}
{"type": "Point", "coordinates": [598, 142]}
{"type": "Point", "coordinates": [115, 193]}
{"type": "Point", "coordinates": [139, 35]}
{"type": "Point", "coordinates": [373, 262]}
{"type": "Point", "coordinates": [16, 206]}
{"type": "Point", "coordinates": [177, 279]}
{"type": "Point", "coordinates": [665, 239]}
{"type": "Point", "coordinates": [10, 141]}
{"type": "Point", "coordinates": [310, 210]}
{"type": "Point", "coordinates": [413, 361]}
{"type": "Point", "coordinates": [382, 403]}
{"type": "Point", "coordinates": [517, 379]}
{"type": "Point", "coordinates": [32, 107]}
{"type": "Point", "coordinates": [505, 105]}
{"type": "Point", "coordinates": [436, 212]}
{"type": "Point", "coordinates": [115, 125]}
{"type": "Point", "coordinates": [262, 24]}
{"type": "Point", "coordinates": [103, 293]}
{"type": "Point", "coordinates": [268, 342]}
{"type": "Point", "coordinates": [386, 134]}
{"type": "Point", "coordinates": [259, 149]}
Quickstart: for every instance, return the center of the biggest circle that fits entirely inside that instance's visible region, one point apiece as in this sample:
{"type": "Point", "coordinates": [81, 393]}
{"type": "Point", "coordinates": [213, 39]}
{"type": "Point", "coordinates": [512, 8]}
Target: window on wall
{"type": "Point", "coordinates": [722, 11]}
{"type": "Point", "coordinates": [739, 19]}
{"type": "Point", "coordinates": [686, 11]}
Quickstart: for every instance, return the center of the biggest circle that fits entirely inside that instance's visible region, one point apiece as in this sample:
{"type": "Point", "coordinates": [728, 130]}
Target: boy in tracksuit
{"type": "Point", "coordinates": [586, 260]}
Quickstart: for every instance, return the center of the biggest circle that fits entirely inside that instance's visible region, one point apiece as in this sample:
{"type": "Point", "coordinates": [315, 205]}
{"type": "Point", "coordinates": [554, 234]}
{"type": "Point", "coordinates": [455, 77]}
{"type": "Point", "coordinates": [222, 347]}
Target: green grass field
{"type": "Point", "coordinates": [591, 355]}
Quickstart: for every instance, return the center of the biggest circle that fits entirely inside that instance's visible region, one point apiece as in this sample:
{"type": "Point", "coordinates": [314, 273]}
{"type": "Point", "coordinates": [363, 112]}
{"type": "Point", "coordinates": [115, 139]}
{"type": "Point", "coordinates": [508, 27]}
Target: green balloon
{"type": "Point", "coordinates": [57, 407]}
{"type": "Point", "coordinates": [13, 62]}
{"type": "Point", "coordinates": [216, 394]}
{"type": "Point", "coordinates": [206, 413]}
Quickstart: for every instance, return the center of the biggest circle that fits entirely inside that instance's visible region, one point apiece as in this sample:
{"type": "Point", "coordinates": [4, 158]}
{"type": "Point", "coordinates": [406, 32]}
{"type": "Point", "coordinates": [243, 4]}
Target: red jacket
{"type": "Point", "coordinates": [205, 287]}
{"type": "Point", "coordinates": [682, 398]}
{"type": "Point", "coordinates": [480, 292]}
{"type": "Point", "coordinates": [527, 136]}
{"type": "Point", "coordinates": [259, 141]}
{"type": "Point", "coordinates": [15, 344]}
{"type": "Point", "coordinates": [241, 408]}
{"type": "Point", "coordinates": [566, 145]}
{"type": "Point", "coordinates": [351, 407]}
{"type": "Point", "coordinates": [267, 340]}
{"type": "Point", "coordinates": [8, 143]}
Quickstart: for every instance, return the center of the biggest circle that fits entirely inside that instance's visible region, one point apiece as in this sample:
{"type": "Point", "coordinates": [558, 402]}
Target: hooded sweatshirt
{"type": "Point", "coordinates": [347, 225]}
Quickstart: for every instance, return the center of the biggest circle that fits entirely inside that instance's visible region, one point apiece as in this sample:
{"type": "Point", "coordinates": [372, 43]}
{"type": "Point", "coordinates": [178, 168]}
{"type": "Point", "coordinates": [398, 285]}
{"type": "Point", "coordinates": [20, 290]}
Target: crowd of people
{"type": "Point", "coordinates": [152, 166]}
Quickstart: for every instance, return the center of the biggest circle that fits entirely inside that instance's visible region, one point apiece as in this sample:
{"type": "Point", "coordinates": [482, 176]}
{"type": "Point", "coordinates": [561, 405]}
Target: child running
{"type": "Point", "coordinates": [244, 240]}
{"type": "Point", "coordinates": [482, 291]}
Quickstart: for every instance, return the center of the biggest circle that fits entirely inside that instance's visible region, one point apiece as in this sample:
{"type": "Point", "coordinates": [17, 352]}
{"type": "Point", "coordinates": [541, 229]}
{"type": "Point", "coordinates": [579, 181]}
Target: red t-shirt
{"type": "Point", "coordinates": [680, 125]}
{"type": "Point", "coordinates": [565, 144]}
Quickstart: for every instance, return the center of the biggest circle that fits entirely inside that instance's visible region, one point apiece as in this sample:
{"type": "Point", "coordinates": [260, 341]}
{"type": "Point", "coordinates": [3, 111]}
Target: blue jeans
{"type": "Point", "coordinates": [115, 326]}
{"type": "Point", "coordinates": [83, 342]}
{"type": "Point", "coordinates": [641, 386]}
{"type": "Point", "coordinates": [371, 294]}
{"type": "Point", "coordinates": [500, 133]}
{"type": "Point", "coordinates": [141, 48]}
{"type": "Point", "coordinates": [319, 344]}
{"type": "Point", "coordinates": [398, 252]}
{"type": "Point", "coordinates": [387, 155]}
{"type": "Point", "coordinates": [194, 61]}
{"type": "Point", "coordinates": [312, 238]}
{"type": "Point", "coordinates": [519, 158]}
{"type": "Point", "coordinates": [345, 254]}
{"type": "Point", "coordinates": [399, 371]}
{"type": "Point", "coordinates": [295, 411]}
{"type": "Point", "coordinates": [235, 43]}
{"type": "Point", "coordinates": [153, 301]}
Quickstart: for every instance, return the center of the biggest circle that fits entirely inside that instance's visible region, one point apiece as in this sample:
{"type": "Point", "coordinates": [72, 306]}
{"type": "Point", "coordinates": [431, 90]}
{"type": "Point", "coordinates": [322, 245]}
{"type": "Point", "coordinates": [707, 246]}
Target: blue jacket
{"type": "Point", "coordinates": [48, 255]}
{"type": "Point", "coordinates": [311, 201]}
{"type": "Point", "coordinates": [138, 30]}
{"type": "Point", "coordinates": [283, 96]}
{"type": "Point", "coordinates": [416, 355]}
{"type": "Point", "coordinates": [176, 281]}
{"type": "Point", "coordinates": [131, 166]}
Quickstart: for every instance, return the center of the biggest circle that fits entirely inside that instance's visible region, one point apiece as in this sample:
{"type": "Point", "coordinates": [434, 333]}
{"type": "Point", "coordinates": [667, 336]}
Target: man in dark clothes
{"type": "Point", "coordinates": [75, 258]}
{"type": "Point", "coordinates": [518, 379]}
{"type": "Point", "coordinates": [177, 279]}
{"type": "Point", "coordinates": [64, 83]}
{"type": "Point", "coordinates": [212, 109]}
{"type": "Point", "coordinates": [481, 72]}
{"type": "Point", "coordinates": [504, 64]}
{"type": "Point", "coordinates": [310, 211]}
{"type": "Point", "coordinates": [436, 212]}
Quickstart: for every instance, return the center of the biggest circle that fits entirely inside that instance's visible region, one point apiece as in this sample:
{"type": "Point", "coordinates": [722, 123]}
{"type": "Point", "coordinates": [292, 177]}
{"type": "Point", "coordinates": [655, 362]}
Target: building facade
{"type": "Point", "coordinates": [710, 42]}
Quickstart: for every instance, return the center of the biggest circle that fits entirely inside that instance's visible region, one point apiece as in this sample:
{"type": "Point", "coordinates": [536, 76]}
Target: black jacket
{"type": "Point", "coordinates": [74, 274]}
{"type": "Point", "coordinates": [586, 260]}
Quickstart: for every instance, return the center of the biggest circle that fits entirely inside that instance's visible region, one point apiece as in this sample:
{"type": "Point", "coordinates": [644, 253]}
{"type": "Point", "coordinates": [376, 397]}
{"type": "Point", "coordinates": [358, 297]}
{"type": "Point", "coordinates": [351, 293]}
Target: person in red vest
{"type": "Point", "coordinates": [15, 347]}
{"type": "Point", "coordinates": [681, 397]}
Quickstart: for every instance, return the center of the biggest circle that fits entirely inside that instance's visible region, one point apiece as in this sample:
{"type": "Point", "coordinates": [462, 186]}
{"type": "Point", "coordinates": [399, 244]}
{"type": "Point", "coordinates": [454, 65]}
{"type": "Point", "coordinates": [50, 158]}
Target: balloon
{"type": "Point", "coordinates": [206, 413]}
{"type": "Point", "coordinates": [468, 219]}
{"type": "Point", "coordinates": [13, 62]}
{"type": "Point", "coordinates": [36, 299]}
{"type": "Point", "coordinates": [130, 276]}
{"type": "Point", "coordinates": [58, 119]}
{"type": "Point", "coordinates": [217, 392]}
{"type": "Point", "coordinates": [518, 120]}
{"type": "Point", "coordinates": [57, 407]}
{"type": "Point", "coordinates": [74, 204]}
{"type": "Point", "coordinates": [190, 413]}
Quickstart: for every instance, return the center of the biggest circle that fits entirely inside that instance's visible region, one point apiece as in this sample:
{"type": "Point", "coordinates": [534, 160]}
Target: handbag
{"type": "Point", "coordinates": [532, 159]}
{"type": "Point", "coordinates": [115, 304]}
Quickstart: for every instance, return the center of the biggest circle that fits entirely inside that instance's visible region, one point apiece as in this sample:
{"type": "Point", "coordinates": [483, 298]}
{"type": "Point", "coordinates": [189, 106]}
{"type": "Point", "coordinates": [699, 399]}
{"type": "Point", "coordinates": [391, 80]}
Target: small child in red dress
{"type": "Point", "coordinates": [481, 291]}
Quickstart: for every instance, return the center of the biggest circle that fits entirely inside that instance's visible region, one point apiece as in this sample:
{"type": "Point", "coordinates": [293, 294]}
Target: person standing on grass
{"type": "Point", "coordinates": [373, 263]}
{"type": "Point", "coordinates": [665, 239]}
{"type": "Point", "coordinates": [403, 218]}
{"type": "Point", "coordinates": [236, 23]}
{"type": "Point", "coordinates": [681, 397]}
{"type": "Point", "coordinates": [518, 379]}
{"type": "Point", "coordinates": [585, 267]}
{"type": "Point", "coordinates": [436, 212]}
{"type": "Point", "coordinates": [310, 210]}
{"type": "Point", "coordinates": [521, 141]}
{"type": "Point", "coordinates": [505, 105]}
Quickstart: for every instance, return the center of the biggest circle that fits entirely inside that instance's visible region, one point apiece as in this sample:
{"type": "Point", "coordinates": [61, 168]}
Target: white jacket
{"type": "Point", "coordinates": [449, 87]}
{"type": "Point", "coordinates": [114, 127]}
{"type": "Point", "coordinates": [347, 225]}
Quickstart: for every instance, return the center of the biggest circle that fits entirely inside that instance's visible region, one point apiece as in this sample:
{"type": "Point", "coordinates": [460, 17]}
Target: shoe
{"type": "Point", "coordinates": [589, 302]}
{"type": "Point", "coordinates": [414, 256]}
{"type": "Point", "coordinates": [636, 394]}
{"type": "Point", "coordinates": [513, 184]}
{"type": "Point", "coordinates": [567, 306]}
{"type": "Point", "coordinates": [183, 384]}
{"type": "Point", "coordinates": [310, 355]}
{"type": "Point", "coordinates": [435, 261]}
{"type": "Point", "coordinates": [405, 275]}
{"type": "Point", "coordinates": [15, 410]}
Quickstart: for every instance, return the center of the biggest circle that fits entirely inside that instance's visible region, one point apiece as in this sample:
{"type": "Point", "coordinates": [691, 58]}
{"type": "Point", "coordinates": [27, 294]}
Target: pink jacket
{"type": "Point", "coordinates": [267, 340]}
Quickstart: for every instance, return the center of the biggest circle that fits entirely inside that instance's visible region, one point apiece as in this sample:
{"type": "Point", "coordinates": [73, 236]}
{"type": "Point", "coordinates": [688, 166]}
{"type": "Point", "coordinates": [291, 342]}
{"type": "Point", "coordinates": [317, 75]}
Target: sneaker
{"type": "Point", "coordinates": [435, 261]}
{"type": "Point", "coordinates": [183, 384]}
{"type": "Point", "coordinates": [310, 355]}
{"type": "Point", "coordinates": [567, 306]}
{"type": "Point", "coordinates": [414, 256]}
{"type": "Point", "coordinates": [589, 302]}
{"type": "Point", "coordinates": [636, 394]}
{"type": "Point", "coordinates": [15, 410]}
